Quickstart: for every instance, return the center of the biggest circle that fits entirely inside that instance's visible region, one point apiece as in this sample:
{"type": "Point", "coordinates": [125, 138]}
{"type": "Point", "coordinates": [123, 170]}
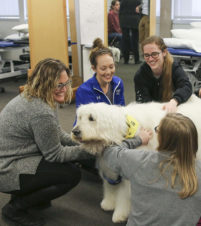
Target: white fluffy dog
{"type": "Point", "coordinates": [99, 125]}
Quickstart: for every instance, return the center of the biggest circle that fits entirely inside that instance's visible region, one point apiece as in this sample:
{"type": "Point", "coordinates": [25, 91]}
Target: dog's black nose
{"type": "Point", "coordinates": [76, 132]}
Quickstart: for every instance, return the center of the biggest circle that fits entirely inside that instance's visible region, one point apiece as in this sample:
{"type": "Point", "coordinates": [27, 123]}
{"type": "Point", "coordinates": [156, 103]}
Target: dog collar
{"type": "Point", "coordinates": [112, 182]}
{"type": "Point", "coordinates": [133, 125]}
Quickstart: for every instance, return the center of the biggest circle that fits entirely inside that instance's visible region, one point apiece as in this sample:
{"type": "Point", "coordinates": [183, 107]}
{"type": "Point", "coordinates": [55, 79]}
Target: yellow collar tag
{"type": "Point", "coordinates": [133, 125]}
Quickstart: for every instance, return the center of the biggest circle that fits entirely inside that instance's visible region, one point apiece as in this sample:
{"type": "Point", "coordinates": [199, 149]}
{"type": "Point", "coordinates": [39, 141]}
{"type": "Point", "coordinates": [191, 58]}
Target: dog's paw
{"type": "Point", "coordinates": [118, 217]}
{"type": "Point", "coordinates": [107, 205]}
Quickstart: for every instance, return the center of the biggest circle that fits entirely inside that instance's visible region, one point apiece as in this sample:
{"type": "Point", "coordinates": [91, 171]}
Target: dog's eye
{"type": "Point", "coordinates": [91, 118]}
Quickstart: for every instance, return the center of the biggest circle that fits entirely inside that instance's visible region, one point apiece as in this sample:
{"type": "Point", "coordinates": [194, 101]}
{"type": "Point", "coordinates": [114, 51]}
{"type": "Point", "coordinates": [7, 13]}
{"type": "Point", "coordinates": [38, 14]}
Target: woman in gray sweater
{"type": "Point", "coordinates": [35, 153]}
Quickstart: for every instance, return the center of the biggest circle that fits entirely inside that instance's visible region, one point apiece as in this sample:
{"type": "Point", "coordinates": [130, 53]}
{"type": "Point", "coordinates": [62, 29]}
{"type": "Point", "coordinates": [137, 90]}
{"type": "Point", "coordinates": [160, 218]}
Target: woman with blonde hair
{"type": "Point", "coordinates": [35, 152]}
{"type": "Point", "coordinates": [166, 183]}
{"type": "Point", "coordinates": [160, 78]}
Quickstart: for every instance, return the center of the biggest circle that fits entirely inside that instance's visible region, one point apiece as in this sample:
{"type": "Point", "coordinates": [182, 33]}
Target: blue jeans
{"type": "Point", "coordinates": [115, 38]}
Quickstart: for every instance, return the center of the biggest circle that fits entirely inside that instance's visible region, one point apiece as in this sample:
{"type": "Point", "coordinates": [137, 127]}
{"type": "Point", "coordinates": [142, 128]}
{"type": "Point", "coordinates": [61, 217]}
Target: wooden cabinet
{"type": "Point", "coordinates": [47, 30]}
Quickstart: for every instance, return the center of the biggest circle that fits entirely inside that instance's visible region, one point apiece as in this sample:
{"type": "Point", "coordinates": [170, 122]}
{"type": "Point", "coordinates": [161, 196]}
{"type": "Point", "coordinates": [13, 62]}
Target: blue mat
{"type": "Point", "coordinates": [4, 44]}
{"type": "Point", "coordinates": [184, 52]}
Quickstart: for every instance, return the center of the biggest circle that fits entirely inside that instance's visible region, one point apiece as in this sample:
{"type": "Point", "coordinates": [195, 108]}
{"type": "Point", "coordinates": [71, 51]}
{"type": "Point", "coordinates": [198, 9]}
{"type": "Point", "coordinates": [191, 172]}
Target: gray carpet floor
{"type": "Point", "coordinates": [81, 206]}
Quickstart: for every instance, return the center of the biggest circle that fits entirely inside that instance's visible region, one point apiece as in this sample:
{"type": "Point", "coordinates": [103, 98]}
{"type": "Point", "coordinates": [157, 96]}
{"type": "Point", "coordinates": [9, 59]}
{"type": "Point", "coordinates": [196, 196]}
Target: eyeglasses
{"type": "Point", "coordinates": [156, 129]}
{"type": "Point", "coordinates": [62, 85]}
{"type": "Point", "coordinates": [153, 55]}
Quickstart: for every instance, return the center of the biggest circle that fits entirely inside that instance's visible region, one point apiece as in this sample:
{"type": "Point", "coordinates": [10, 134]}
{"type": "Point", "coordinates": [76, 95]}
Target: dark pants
{"type": "Point", "coordinates": [130, 39]}
{"type": "Point", "coordinates": [50, 181]}
{"type": "Point", "coordinates": [114, 36]}
{"type": "Point", "coordinates": [89, 165]}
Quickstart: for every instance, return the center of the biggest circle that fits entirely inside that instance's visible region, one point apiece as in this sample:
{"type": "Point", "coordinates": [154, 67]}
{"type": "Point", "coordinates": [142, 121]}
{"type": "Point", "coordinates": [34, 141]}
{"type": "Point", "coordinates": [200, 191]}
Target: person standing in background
{"type": "Point", "coordinates": [129, 18]}
{"type": "Point", "coordinates": [144, 22]}
{"type": "Point", "coordinates": [114, 30]}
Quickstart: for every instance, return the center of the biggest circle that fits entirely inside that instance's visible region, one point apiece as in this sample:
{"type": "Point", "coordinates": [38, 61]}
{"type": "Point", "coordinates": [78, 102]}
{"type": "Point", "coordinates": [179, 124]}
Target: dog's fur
{"type": "Point", "coordinates": [99, 125]}
{"type": "Point", "coordinates": [116, 53]}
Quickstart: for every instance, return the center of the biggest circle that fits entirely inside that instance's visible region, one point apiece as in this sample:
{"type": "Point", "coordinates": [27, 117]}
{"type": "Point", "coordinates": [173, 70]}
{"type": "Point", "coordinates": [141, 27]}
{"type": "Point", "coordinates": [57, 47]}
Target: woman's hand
{"type": "Point", "coordinates": [171, 106]}
{"type": "Point", "coordinates": [137, 9]}
{"type": "Point", "coordinates": [145, 135]}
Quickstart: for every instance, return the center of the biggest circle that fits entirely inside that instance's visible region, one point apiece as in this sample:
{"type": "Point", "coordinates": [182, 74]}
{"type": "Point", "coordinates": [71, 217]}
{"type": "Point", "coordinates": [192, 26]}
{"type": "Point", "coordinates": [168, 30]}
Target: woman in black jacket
{"type": "Point", "coordinates": [159, 78]}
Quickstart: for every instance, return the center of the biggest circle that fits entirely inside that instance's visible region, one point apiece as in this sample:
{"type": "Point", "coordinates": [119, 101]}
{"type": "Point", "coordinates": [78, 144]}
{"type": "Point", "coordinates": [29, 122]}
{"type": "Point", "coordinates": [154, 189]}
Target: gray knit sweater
{"type": "Point", "coordinates": [29, 130]}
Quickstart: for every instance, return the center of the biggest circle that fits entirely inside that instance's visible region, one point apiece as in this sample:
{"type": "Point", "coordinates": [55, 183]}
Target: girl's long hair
{"type": "Point", "coordinates": [44, 79]}
{"type": "Point", "coordinates": [167, 85]}
{"type": "Point", "coordinates": [178, 136]}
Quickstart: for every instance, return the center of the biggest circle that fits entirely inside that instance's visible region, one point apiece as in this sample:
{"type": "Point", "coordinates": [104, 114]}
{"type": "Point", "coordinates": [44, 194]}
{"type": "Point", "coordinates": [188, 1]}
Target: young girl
{"type": "Point", "coordinates": [165, 184]}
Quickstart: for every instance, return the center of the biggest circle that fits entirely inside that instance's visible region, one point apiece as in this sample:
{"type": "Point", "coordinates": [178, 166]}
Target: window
{"type": "Point", "coordinates": [185, 10]}
{"type": "Point", "coordinates": [25, 10]}
{"type": "Point", "coordinates": [67, 8]}
{"type": "Point", "coordinates": [9, 9]}
{"type": "Point", "coordinates": [158, 6]}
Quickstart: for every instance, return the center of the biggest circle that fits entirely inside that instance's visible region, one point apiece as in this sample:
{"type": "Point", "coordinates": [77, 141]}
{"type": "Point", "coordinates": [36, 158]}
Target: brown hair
{"type": "Point", "coordinates": [178, 136]}
{"type": "Point", "coordinates": [113, 4]}
{"type": "Point", "coordinates": [167, 86]}
{"type": "Point", "coordinates": [44, 79]}
{"type": "Point", "coordinates": [98, 49]}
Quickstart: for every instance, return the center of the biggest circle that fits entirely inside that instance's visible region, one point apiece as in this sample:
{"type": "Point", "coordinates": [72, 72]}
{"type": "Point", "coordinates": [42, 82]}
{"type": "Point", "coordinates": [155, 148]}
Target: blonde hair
{"type": "Point", "coordinates": [98, 49]}
{"type": "Point", "coordinates": [44, 79]}
{"type": "Point", "coordinates": [178, 136]}
{"type": "Point", "coordinates": [167, 85]}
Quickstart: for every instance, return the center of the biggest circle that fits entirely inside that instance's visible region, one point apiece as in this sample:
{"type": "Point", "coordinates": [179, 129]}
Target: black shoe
{"type": "Point", "coordinates": [21, 217]}
{"type": "Point", "coordinates": [42, 206]}
{"type": "Point", "coordinates": [138, 62]}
